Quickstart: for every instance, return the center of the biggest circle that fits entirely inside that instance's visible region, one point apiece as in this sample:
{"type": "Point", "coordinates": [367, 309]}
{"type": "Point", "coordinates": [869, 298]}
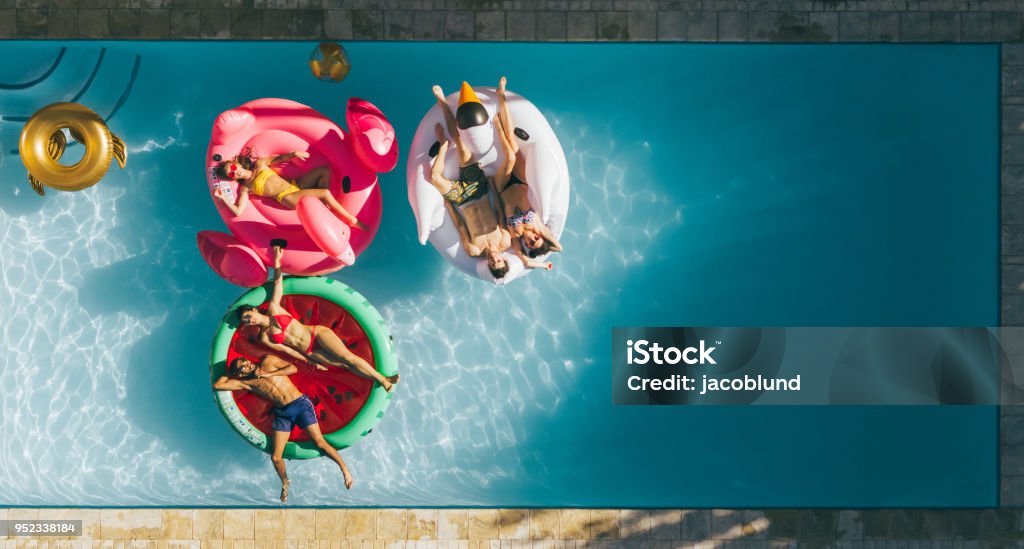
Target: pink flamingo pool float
{"type": "Point", "coordinates": [318, 242]}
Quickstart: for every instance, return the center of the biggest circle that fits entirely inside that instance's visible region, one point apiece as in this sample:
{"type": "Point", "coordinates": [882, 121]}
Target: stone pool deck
{"type": "Point", "coordinates": [945, 21]}
{"type": "Point", "coordinates": [522, 529]}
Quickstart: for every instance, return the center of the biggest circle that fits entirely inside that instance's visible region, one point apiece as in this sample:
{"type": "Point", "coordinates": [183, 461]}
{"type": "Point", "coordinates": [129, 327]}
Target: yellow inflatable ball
{"type": "Point", "coordinates": [329, 62]}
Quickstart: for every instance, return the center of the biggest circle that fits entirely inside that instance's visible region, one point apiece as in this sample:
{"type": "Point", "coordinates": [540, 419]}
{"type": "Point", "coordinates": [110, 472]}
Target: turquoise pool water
{"type": "Point", "coordinates": [713, 185]}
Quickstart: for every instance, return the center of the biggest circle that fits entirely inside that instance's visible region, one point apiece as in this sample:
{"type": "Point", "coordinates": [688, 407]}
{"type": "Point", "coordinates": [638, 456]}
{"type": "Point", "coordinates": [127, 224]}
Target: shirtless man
{"type": "Point", "coordinates": [257, 176]}
{"type": "Point", "coordinates": [468, 200]}
{"type": "Point", "coordinates": [269, 379]}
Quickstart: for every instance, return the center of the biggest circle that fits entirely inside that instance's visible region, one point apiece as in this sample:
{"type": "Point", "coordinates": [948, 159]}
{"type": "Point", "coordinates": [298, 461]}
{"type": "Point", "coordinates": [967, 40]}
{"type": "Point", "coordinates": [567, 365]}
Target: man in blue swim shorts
{"type": "Point", "coordinates": [269, 379]}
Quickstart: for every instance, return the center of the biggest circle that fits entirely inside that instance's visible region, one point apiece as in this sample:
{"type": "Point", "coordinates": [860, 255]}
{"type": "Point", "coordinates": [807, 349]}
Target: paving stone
{"type": "Point", "coordinates": [604, 524]}
{"type": "Point", "coordinates": [666, 524]}
{"type": "Point", "coordinates": [855, 26]}
{"type": "Point", "coordinates": [392, 524]}
{"type": "Point", "coordinates": [635, 525]}
{"type": "Point", "coordinates": [1013, 81]}
{"type": "Point", "coordinates": [185, 23]}
{"type": "Point", "coordinates": [915, 26]}
{"type": "Point", "coordinates": [1011, 464]}
{"type": "Point", "coordinates": [1012, 180]}
{"type": "Point", "coordinates": [849, 526]}
{"type": "Point", "coordinates": [92, 23]}
{"type": "Point", "coordinates": [245, 25]}
{"type": "Point", "coordinates": [1002, 524]}
{"type": "Point", "coordinates": [643, 25]}
{"type": "Point", "coordinates": [155, 24]}
{"type": "Point", "coordinates": [544, 524]}
{"type": "Point", "coordinates": [762, 26]}
{"type": "Point", "coordinates": [732, 26]}
{"type": "Point", "coordinates": [458, 25]}
{"type": "Point", "coordinates": [521, 25]}
{"type": "Point", "coordinates": [1012, 426]}
{"type": "Point", "coordinates": [581, 26]}
{"type": "Point", "coordinates": [672, 25]}
{"type": "Point", "coordinates": [818, 525]}
{"type": "Point", "coordinates": [62, 23]}
{"type": "Point", "coordinates": [429, 25]}
{"type": "Point", "coordinates": [824, 26]}
{"type": "Point", "coordinates": [783, 524]}
{"type": "Point", "coordinates": [797, 27]}
{"type": "Point", "coordinates": [574, 524]}
{"type": "Point", "coordinates": [124, 23]}
{"type": "Point", "coordinates": [696, 524]}
{"type": "Point", "coordinates": [613, 25]}
{"type": "Point", "coordinates": [307, 24]}
{"type": "Point", "coordinates": [399, 24]}
{"type": "Point", "coordinates": [907, 524]}
{"type": "Point", "coordinates": [1011, 205]}
{"type": "Point", "coordinates": [1013, 149]}
{"type": "Point", "coordinates": [32, 22]}
{"type": "Point", "coordinates": [885, 26]}
{"type": "Point", "coordinates": [945, 27]}
{"type": "Point", "coordinates": [977, 26]}
{"type": "Point", "coordinates": [726, 524]}
{"type": "Point", "coordinates": [702, 26]}
{"type": "Point", "coordinates": [367, 24]}
{"type": "Point", "coordinates": [490, 25]}
{"type": "Point", "coordinates": [338, 25]}
{"type": "Point", "coordinates": [1006, 26]}
{"type": "Point", "coordinates": [1013, 54]}
{"type": "Point", "coordinates": [1012, 491]}
{"type": "Point", "coordinates": [1012, 309]}
{"type": "Point", "coordinates": [551, 25]}
{"type": "Point", "coordinates": [217, 23]}
{"type": "Point", "coordinates": [514, 524]}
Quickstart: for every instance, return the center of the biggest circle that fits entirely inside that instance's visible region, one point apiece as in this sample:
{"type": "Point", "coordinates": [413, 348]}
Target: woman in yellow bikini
{"type": "Point", "coordinates": [258, 177]}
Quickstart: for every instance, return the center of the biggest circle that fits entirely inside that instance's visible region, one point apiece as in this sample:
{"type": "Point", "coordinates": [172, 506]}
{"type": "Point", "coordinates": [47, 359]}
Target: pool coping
{"type": "Point", "coordinates": [703, 21]}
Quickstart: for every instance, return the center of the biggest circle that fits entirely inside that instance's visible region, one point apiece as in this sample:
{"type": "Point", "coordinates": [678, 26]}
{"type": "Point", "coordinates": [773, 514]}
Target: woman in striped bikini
{"type": "Point", "coordinates": [530, 235]}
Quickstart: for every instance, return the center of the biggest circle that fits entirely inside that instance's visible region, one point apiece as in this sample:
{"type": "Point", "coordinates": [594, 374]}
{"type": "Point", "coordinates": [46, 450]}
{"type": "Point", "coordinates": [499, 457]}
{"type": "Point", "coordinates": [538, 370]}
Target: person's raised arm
{"type": "Point", "coordinates": [501, 178]}
{"type": "Point", "coordinates": [301, 155]}
{"type": "Point", "coordinates": [529, 262]}
{"type": "Point", "coordinates": [547, 234]}
{"type": "Point", "coordinates": [238, 206]}
{"type": "Point", "coordinates": [275, 298]}
{"type": "Point", "coordinates": [225, 383]}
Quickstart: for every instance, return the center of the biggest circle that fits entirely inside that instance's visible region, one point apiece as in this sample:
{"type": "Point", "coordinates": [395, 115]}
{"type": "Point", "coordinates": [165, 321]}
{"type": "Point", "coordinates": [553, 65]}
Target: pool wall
{"type": "Point", "coordinates": [577, 20]}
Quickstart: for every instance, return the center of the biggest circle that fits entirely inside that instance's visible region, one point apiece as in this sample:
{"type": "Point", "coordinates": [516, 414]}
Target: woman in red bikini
{"type": "Point", "coordinates": [317, 345]}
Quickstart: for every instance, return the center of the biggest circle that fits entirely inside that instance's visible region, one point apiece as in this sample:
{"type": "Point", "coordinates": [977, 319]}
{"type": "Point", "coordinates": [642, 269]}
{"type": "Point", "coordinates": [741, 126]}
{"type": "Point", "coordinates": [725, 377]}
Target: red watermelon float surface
{"type": "Point", "coordinates": [347, 405]}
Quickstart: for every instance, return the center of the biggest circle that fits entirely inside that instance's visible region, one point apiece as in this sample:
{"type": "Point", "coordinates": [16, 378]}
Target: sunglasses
{"type": "Point", "coordinates": [232, 168]}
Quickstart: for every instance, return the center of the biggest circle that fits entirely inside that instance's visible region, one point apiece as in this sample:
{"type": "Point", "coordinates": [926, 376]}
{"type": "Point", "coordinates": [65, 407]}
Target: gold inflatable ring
{"type": "Point", "coordinates": [42, 144]}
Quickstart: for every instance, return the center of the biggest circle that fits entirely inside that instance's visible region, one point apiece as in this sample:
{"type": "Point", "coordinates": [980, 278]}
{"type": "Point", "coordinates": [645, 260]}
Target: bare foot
{"type": "Point", "coordinates": [438, 93]}
{"type": "Point", "coordinates": [349, 481]}
{"type": "Point", "coordinates": [321, 367]}
{"type": "Point", "coordinates": [284, 490]}
{"type": "Point", "coordinates": [439, 133]}
{"type": "Point", "coordinates": [501, 85]}
{"type": "Point", "coordinates": [360, 225]}
{"type": "Point", "coordinates": [392, 380]}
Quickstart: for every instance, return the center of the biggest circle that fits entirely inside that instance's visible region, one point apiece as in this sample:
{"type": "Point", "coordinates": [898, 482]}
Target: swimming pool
{"type": "Point", "coordinates": [840, 185]}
